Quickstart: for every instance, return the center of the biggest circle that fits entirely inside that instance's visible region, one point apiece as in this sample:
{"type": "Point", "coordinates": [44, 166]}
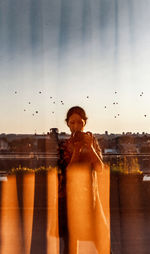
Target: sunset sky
{"type": "Point", "coordinates": [69, 50]}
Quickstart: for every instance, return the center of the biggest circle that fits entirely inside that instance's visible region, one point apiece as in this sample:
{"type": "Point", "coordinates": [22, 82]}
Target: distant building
{"type": "Point", "coordinates": [110, 151]}
{"type": "Point", "coordinates": [128, 133]}
{"type": "Point", "coordinates": [145, 147]}
{"type": "Point", "coordinates": [63, 136]}
{"type": "Point", "coordinates": [128, 148]}
{"type": "Point", "coordinates": [4, 145]}
{"type": "Point", "coordinates": [54, 131]}
{"type": "Point", "coordinates": [48, 142]}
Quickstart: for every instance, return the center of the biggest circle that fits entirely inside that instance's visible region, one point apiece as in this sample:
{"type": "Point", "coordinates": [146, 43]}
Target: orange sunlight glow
{"type": "Point", "coordinates": [88, 210]}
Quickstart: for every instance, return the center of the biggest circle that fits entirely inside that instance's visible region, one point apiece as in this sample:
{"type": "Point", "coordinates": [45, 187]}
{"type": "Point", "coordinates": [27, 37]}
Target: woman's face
{"type": "Point", "coordinates": [76, 123]}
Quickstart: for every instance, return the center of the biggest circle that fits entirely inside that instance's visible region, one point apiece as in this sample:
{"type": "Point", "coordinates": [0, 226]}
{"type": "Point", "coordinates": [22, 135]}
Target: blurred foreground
{"type": "Point", "coordinates": [32, 219]}
{"type": "Point", "coordinates": [29, 213]}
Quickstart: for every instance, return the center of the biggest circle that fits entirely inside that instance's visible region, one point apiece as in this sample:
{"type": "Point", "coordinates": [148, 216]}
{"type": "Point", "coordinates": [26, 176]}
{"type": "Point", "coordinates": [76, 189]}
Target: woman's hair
{"type": "Point", "coordinates": [76, 110]}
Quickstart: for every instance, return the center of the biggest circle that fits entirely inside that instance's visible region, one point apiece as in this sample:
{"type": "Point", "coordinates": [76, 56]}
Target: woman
{"type": "Point", "coordinates": [80, 142]}
{"type": "Point", "coordinates": [80, 158]}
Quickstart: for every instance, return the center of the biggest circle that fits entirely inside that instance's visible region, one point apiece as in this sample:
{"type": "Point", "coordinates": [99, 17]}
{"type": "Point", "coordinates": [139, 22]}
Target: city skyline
{"type": "Point", "coordinates": [95, 55]}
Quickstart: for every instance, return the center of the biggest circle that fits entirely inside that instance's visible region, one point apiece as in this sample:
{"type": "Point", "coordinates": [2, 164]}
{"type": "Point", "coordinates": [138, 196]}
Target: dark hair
{"type": "Point", "coordinates": [76, 110]}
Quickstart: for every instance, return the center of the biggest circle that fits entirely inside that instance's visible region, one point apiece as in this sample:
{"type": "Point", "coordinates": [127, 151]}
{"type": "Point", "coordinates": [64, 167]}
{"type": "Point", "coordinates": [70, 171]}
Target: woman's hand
{"type": "Point", "coordinates": [77, 146]}
{"type": "Point", "coordinates": [86, 143]}
{"type": "Point", "coordinates": [88, 140]}
{"type": "Point", "coordinates": [85, 148]}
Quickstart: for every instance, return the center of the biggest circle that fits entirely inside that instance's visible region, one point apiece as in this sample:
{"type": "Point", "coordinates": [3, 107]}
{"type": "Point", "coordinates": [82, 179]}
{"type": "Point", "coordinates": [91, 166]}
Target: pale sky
{"type": "Point", "coordinates": [70, 50]}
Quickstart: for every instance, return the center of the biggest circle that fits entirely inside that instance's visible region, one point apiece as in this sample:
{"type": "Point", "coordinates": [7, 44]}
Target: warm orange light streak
{"type": "Point", "coordinates": [88, 210]}
{"type": "Point", "coordinates": [28, 205]}
{"type": "Point", "coordinates": [11, 237]}
{"type": "Point", "coordinates": [52, 213]}
{"type": "Point", "coordinates": [102, 210]}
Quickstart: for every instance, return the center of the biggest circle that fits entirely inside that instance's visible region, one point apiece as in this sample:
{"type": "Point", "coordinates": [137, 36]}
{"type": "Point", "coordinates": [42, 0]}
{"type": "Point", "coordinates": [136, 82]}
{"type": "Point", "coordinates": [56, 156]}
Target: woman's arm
{"type": "Point", "coordinates": [94, 150]}
{"type": "Point", "coordinates": [76, 153]}
{"type": "Point", "coordinates": [96, 160]}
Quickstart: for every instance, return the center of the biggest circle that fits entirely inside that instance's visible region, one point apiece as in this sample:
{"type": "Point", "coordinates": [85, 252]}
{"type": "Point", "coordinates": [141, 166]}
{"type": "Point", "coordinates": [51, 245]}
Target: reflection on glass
{"type": "Point", "coordinates": [85, 191]}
